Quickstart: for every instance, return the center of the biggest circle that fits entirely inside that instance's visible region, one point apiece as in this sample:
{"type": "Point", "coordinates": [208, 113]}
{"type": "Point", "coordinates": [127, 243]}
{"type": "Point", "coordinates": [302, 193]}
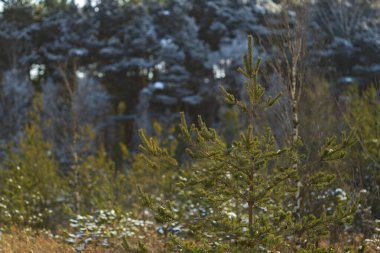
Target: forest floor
{"type": "Point", "coordinates": [28, 241]}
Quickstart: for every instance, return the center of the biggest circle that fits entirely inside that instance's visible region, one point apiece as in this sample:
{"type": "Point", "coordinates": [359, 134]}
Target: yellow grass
{"type": "Point", "coordinates": [27, 241]}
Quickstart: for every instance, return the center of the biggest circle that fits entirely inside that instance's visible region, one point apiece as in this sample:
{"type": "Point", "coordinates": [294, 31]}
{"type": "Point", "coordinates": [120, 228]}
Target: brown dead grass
{"type": "Point", "coordinates": [352, 243]}
{"type": "Point", "coordinates": [27, 241]}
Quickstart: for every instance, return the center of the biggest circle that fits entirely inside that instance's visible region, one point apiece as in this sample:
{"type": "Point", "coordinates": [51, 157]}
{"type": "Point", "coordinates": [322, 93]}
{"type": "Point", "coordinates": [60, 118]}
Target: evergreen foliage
{"type": "Point", "coordinates": [127, 45]}
{"type": "Point", "coordinates": [30, 186]}
{"type": "Point", "coordinates": [363, 116]}
{"type": "Point", "coordinates": [159, 180]}
{"type": "Point", "coordinates": [241, 197]}
{"type": "Point", "coordinates": [95, 183]}
{"type": "Point", "coordinates": [35, 193]}
{"type": "Point", "coordinates": [261, 171]}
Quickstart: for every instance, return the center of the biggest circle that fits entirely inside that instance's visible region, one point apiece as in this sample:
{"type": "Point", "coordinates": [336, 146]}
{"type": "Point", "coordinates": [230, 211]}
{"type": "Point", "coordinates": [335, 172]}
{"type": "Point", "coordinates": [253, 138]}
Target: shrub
{"type": "Point", "coordinates": [30, 187]}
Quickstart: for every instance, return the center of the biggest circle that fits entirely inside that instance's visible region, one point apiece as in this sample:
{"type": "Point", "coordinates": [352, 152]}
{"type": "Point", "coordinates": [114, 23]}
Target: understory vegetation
{"type": "Point", "coordinates": [277, 157]}
{"type": "Point", "coordinates": [193, 188]}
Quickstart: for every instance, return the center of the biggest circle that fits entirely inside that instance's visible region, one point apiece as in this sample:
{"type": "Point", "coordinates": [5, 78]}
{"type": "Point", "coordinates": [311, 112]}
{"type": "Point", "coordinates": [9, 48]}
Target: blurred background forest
{"type": "Point", "coordinates": [77, 82]}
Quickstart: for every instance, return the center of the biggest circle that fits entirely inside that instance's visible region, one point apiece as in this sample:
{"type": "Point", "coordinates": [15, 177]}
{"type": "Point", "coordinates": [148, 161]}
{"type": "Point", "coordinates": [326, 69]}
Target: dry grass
{"type": "Point", "coordinates": [27, 241]}
{"type": "Point", "coordinates": [352, 243]}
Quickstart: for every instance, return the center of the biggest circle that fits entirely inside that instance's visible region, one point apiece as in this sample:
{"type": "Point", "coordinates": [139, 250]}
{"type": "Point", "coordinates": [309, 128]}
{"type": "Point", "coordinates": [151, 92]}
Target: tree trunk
{"type": "Point", "coordinates": [294, 98]}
